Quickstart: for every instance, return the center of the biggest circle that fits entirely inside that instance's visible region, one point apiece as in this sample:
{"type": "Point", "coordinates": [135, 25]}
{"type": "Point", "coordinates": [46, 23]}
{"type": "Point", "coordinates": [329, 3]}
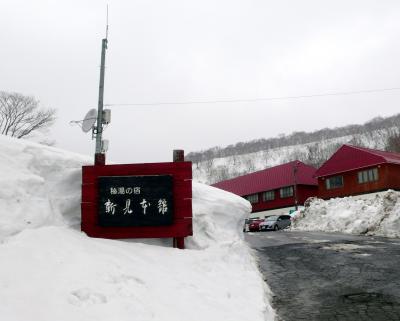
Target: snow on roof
{"type": "Point", "coordinates": [270, 179]}
{"type": "Point", "coordinates": [350, 157]}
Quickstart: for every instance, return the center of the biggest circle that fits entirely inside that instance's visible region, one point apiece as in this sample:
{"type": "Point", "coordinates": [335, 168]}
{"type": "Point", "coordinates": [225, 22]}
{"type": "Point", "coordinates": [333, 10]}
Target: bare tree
{"type": "Point", "coordinates": [249, 164]}
{"type": "Point", "coordinates": [318, 154]}
{"type": "Point", "coordinates": [393, 143]}
{"type": "Point", "coordinates": [20, 115]}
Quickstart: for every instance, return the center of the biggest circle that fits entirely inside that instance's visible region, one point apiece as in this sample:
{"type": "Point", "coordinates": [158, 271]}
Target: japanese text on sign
{"type": "Point", "coordinates": [135, 200]}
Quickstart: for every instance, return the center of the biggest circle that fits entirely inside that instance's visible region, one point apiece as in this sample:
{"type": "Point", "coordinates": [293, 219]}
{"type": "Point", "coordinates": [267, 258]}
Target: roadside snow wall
{"type": "Point", "coordinates": [52, 271]}
{"type": "Point", "coordinates": [224, 225]}
{"type": "Point", "coordinates": [377, 216]}
{"type": "Point", "coordinates": [39, 186]}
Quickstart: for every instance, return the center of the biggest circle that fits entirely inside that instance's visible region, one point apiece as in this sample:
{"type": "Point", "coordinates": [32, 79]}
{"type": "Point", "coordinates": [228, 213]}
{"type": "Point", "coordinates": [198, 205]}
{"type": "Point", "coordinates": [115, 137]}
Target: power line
{"type": "Point", "coordinates": [250, 100]}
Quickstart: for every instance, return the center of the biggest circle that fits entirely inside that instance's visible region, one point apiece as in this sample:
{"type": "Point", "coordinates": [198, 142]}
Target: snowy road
{"type": "Point", "coordinates": [321, 276]}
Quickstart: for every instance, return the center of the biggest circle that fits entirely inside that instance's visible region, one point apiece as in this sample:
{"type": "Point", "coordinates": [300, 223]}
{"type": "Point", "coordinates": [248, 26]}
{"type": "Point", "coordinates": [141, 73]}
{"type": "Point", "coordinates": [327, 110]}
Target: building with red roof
{"type": "Point", "coordinates": [276, 188]}
{"type": "Point", "coordinates": [357, 170]}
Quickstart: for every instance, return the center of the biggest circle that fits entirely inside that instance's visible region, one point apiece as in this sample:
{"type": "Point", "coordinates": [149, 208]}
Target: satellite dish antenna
{"type": "Point", "coordinates": [89, 120]}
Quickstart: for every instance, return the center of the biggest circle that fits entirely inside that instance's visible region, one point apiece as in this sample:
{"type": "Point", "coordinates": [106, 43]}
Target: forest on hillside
{"type": "Point", "coordinates": [313, 148]}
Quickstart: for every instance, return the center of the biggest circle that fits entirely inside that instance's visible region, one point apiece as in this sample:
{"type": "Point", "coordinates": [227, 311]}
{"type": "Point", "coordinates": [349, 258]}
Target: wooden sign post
{"type": "Point", "coordinates": [178, 156]}
{"type": "Point", "coordinates": [138, 200]}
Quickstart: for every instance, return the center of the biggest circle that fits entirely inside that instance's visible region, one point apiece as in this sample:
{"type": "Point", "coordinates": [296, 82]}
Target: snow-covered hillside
{"type": "Point", "coordinates": [378, 215]}
{"type": "Point", "coordinates": [218, 169]}
{"type": "Point", "coordinates": [52, 271]}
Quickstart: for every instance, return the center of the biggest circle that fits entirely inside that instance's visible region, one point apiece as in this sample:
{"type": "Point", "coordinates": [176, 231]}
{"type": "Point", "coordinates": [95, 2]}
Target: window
{"type": "Point", "coordinates": [253, 198]}
{"type": "Point", "coordinates": [268, 196]}
{"type": "Point", "coordinates": [334, 182]}
{"type": "Point", "coordinates": [286, 191]}
{"type": "Point", "coordinates": [369, 175]}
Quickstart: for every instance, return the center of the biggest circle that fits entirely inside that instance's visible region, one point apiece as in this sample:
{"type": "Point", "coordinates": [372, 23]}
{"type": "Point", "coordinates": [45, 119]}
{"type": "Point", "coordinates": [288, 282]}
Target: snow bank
{"type": "Point", "coordinates": [39, 185]}
{"type": "Point", "coordinates": [377, 216]}
{"type": "Point", "coordinates": [52, 271]}
{"type": "Point", "coordinates": [55, 273]}
{"type": "Point", "coordinates": [224, 224]}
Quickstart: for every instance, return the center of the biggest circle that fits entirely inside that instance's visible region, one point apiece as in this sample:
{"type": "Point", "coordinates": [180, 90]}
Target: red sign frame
{"type": "Point", "coordinates": [181, 173]}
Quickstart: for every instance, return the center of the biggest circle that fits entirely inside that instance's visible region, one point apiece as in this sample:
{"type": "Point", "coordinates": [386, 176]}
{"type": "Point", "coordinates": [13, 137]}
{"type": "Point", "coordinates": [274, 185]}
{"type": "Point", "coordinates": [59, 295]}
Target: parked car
{"type": "Point", "coordinates": [254, 225]}
{"type": "Point", "coordinates": [246, 225]}
{"type": "Point", "coordinates": [247, 222]}
{"type": "Point", "coordinates": [275, 222]}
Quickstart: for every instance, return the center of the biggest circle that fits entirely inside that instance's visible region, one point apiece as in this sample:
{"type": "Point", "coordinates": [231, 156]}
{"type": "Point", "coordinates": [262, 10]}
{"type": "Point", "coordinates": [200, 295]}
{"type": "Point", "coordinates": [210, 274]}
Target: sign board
{"type": "Point", "coordinates": [137, 200]}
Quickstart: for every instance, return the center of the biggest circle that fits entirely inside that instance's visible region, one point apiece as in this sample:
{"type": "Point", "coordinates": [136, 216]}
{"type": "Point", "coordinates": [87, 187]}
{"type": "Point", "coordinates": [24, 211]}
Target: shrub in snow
{"type": "Point", "coordinates": [375, 216]}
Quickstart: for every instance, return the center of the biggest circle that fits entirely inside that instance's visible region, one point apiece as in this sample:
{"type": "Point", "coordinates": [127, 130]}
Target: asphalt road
{"type": "Point", "coordinates": [324, 276]}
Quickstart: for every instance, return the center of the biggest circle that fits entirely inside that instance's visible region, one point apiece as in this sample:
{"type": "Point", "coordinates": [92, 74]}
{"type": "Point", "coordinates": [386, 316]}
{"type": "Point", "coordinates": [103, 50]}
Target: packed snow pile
{"type": "Point", "coordinates": [225, 225]}
{"type": "Point", "coordinates": [39, 185]}
{"type": "Point", "coordinates": [52, 271]}
{"type": "Point", "coordinates": [372, 216]}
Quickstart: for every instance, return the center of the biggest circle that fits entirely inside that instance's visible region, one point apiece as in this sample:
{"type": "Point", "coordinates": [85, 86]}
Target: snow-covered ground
{"type": "Point", "coordinates": [378, 215]}
{"type": "Point", "coordinates": [52, 271]}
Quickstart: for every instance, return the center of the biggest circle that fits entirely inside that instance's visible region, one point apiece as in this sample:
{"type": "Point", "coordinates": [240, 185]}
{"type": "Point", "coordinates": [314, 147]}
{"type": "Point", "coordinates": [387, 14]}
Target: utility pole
{"type": "Point", "coordinates": [295, 168]}
{"type": "Point", "coordinates": [100, 157]}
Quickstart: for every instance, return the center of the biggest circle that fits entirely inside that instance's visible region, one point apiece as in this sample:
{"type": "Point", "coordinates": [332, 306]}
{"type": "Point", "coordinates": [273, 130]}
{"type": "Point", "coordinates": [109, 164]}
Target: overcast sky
{"type": "Point", "coordinates": [184, 50]}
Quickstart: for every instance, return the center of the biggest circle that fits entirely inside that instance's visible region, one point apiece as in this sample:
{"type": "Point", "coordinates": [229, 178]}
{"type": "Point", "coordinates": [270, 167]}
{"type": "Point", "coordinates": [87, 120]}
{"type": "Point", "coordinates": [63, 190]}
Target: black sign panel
{"type": "Point", "coordinates": [135, 200]}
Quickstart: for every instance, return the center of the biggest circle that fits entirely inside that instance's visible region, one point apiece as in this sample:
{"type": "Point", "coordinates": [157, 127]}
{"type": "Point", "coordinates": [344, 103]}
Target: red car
{"type": "Point", "coordinates": [254, 226]}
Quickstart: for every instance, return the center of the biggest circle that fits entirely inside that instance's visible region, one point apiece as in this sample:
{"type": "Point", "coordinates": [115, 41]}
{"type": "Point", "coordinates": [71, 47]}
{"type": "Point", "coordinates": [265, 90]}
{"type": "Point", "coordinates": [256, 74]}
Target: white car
{"type": "Point", "coordinates": [275, 222]}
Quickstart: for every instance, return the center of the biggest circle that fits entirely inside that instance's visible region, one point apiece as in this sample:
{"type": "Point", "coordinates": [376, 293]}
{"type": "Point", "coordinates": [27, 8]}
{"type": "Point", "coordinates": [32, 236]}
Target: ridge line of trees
{"type": "Point", "coordinates": [295, 138]}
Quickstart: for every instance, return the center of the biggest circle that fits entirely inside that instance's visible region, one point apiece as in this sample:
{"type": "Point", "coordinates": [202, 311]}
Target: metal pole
{"type": "Point", "coordinates": [295, 185]}
{"type": "Point", "coordinates": [99, 158]}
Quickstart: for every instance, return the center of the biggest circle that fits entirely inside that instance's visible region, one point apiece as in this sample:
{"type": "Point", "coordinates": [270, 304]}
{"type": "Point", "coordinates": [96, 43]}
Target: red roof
{"type": "Point", "coordinates": [270, 179]}
{"type": "Point", "coordinates": [349, 158]}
